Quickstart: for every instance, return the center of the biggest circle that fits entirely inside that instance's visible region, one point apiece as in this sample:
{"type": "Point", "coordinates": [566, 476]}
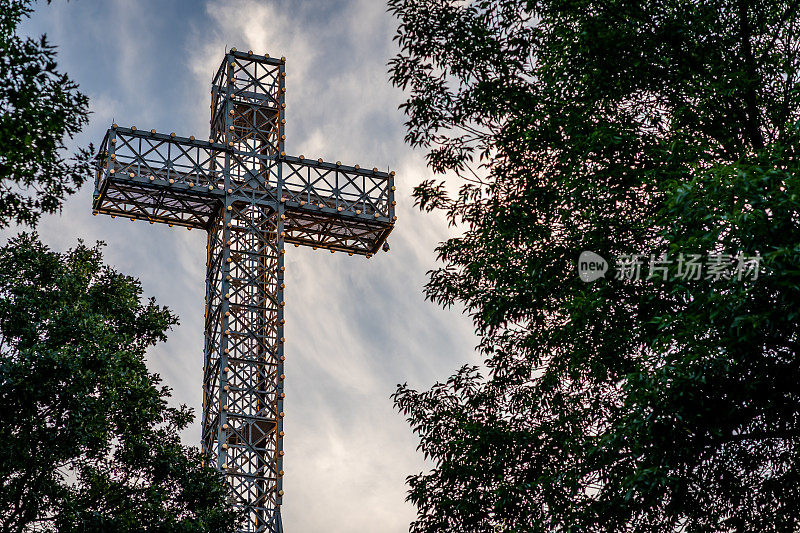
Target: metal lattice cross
{"type": "Point", "coordinates": [251, 198]}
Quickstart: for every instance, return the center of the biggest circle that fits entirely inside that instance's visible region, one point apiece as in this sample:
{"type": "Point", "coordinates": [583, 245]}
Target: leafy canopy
{"type": "Point", "coordinates": [620, 127]}
{"type": "Point", "coordinates": [40, 107]}
{"type": "Point", "coordinates": [89, 442]}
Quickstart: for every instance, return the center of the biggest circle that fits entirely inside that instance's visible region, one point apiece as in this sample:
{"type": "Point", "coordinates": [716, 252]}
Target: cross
{"type": "Point", "coordinates": [251, 198]}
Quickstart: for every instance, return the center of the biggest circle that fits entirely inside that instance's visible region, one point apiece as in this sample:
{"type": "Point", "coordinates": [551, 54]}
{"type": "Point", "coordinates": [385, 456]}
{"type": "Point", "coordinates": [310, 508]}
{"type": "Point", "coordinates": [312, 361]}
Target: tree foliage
{"type": "Point", "coordinates": [89, 442]}
{"type": "Point", "coordinates": [40, 107]}
{"type": "Point", "coordinates": [620, 127]}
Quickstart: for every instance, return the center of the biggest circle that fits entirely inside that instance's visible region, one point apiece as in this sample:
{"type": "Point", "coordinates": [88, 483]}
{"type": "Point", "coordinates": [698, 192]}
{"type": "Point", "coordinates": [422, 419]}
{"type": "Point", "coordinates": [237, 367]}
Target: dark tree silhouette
{"type": "Point", "coordinates": [618, 127]}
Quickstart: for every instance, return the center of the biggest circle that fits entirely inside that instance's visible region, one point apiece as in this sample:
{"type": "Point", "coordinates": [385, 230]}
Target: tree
{"type": "Point", "coordinates": [89, 442]}
{"type": "Point", "coordinates": [39, 108]}
{"type": "Point", "coordinates": [619, 127]}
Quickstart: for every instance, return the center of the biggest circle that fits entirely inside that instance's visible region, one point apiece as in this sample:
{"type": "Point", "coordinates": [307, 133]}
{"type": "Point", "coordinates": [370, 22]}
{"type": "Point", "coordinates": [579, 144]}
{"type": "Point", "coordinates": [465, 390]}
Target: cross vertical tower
{"type": "Point", "coordinates": [251, 198]}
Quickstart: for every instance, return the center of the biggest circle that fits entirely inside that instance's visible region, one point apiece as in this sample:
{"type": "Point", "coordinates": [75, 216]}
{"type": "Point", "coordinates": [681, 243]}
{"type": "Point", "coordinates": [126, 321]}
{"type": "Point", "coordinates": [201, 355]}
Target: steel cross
{"type": "Point", "coordinates": [251, 198]}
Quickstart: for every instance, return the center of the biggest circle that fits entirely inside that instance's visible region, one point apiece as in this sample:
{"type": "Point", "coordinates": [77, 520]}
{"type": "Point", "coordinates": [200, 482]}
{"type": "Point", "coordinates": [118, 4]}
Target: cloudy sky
{"type": "Point", "coordinates": [355, 327]}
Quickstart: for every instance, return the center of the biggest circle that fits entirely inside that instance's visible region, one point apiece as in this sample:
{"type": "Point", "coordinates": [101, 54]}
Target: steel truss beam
{"type": "Point", "coordinates": [251, 198]}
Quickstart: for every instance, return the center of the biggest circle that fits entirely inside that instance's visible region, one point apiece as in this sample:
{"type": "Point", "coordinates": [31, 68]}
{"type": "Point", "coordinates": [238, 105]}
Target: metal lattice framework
{"type": "Point", "coordinates": [251, 198]}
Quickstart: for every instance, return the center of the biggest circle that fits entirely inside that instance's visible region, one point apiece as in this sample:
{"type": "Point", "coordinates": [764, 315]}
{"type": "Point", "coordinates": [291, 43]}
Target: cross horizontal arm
{"type": "Point", "coordinates": [178, 180]}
